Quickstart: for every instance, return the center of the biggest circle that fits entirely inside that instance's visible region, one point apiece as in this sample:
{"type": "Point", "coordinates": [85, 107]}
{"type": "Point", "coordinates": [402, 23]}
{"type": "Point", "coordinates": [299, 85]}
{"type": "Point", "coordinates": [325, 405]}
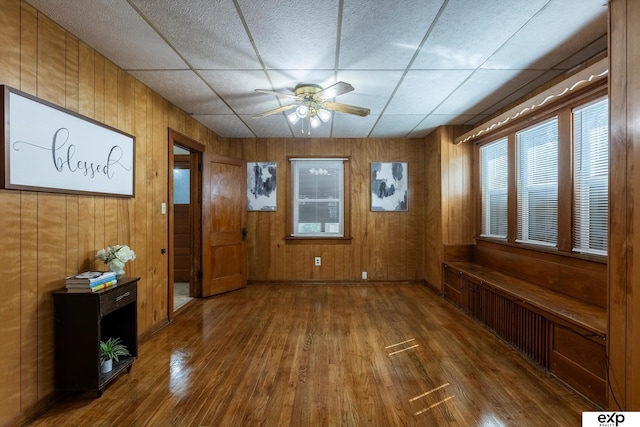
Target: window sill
{"type": "Point", "coordinates": [546, 249]}
{"type": "Point", "coordinates": [293, 240]}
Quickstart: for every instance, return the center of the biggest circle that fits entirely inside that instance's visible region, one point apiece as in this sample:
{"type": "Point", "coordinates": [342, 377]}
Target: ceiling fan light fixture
{"type": "Point", "coordinates": [324, 115]}
{"type": "Point", "coordinates": [293, 117]}
{"type": "Point", "coordinates": [302, 111]}
{"type": "Point", "coordinates": [311, 104]}
{"type": "Point", "coordinates": [314, 121]}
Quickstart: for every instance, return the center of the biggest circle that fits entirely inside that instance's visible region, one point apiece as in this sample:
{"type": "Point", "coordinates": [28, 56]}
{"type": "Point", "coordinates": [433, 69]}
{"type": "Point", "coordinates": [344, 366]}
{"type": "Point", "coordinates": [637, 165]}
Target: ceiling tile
{"type": "Point", "coordinates": [114, 29]}
{"type": "Point", "coordinates": [372, 89]}
{"type": "Point", "coordinates": [384, 37]}
{"type": "Point", "coordinates": [184, 89]}
{"type": "Point", "coordinates": [422, 91]}
{"type": "Point", "coordinates": [350, 126]}
{"type": "Point", "coordinates": [468, 32]}
{"type": "Point", "coordinates": [550, 36]}
{"type": "Point", "coordinates": [226, 126]}
{"type": "Point", "coordinates": [270, 126]}
{"type": "Point", "coordinates": [294, 34]}
{"type": "Point", "coordinates": [481, 90]}
{"type": "Point", "coordinates": [518, 95]}
{"type": "Point", "coordinates": [209, 34]}
{"type": "Point", "coordinates": [237, 88]}
{"type": "Point", "coordinates": [396, 125]}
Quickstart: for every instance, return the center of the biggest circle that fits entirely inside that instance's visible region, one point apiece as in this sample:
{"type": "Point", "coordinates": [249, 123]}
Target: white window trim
{"type": "Point", "coordinates": [296, 165]}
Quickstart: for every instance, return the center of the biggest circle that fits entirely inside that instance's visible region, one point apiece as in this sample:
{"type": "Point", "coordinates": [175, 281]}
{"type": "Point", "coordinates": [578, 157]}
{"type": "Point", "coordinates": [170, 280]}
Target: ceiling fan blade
{"type": "Point", "coordinates": [346, 108]}
{"type": "Point", "coordinates": [275, 110]}
{"type": "Point", "coordinates": [273, 92]}
{"type": "Point", "coordinates": [335, 90]}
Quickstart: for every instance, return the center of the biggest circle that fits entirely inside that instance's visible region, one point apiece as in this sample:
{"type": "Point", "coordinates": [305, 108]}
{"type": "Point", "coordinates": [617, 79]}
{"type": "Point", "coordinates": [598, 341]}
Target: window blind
{"type": "Point", "coordinates": [591, 172]}
{"type": "Point", "coordinates": [494, 182]}
{"type": "Point", "coordinates": [318, 197]}
{"type": "Point", "coordinates": [537, 184]}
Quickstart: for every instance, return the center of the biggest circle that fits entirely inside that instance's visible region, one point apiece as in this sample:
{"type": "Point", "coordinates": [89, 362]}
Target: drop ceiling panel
{"type": "Point", "coordinates": [471, 97]}
{"type": "Point", "coordinates": [274, 126]}
{"type": "Point", "coordinates": [520, 94]}
{"type": "Point", "coordinates": [226, 126]}
{"type": "Point", "coordinates": [294, 34]}
{"type": "Point", "coordinates": [286, 80]}
{"type": "Point", "coordinates": [550, 36]}
{"type": "Point", "coordinates": [468, 32]}
{"type": "Point", "coordinates": [208, 34]}
{"type": "Point", "coordinates": [385, 36]}
{"type": "Point", "coordinates": [348, 126]}
{"type": "Point", "coordinates": [432, 121]}
{"type": "Point", "coordinates": [185, 89]}
{"type": "Point", "coordinates": [232, 87]}
{"type": "Point", "coordinates": [115, 30]}
{"type": "Point", "coordinates": [422, 91]}
{"type": "Point", "coordinates": [372, 89]}
{"type": "Point", "coordinates": [396, 125]}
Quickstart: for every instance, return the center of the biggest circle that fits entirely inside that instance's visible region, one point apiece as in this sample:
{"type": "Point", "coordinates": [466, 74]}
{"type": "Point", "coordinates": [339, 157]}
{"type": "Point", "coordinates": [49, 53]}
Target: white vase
{"type": "Point", "coordinates": [119, 270]}
{"type": "Point", "coordinates": [106, 366]}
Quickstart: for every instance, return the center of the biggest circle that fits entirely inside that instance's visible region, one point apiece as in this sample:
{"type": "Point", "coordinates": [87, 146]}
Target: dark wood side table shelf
{"type": "Point", "coordinates": [81, 321]}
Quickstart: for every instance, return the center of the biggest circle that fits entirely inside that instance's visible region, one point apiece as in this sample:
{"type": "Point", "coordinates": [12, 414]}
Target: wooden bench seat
{"type": "Point", "coordinates": [562, 307]}
{"type": "Point", "coordinates": [563, 334]}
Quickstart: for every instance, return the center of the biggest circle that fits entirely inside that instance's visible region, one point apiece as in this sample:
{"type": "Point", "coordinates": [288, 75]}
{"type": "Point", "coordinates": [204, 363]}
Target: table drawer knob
{"type": "Point", "coordinates": [118, 298]}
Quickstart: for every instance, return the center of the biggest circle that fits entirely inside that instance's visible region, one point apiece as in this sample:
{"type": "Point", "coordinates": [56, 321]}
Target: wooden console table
{"type": "Point", "coordinates": [81, 321]}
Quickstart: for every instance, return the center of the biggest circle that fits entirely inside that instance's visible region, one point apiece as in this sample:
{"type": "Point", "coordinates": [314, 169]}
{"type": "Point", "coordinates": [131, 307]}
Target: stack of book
{"type": "Point", "coordinates": [91, 281]}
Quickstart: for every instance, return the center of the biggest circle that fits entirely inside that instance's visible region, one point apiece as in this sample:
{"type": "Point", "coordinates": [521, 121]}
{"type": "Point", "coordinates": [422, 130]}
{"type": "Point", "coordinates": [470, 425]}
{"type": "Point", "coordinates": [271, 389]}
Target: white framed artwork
{"type": "Point", "coordinates": [389, 186]}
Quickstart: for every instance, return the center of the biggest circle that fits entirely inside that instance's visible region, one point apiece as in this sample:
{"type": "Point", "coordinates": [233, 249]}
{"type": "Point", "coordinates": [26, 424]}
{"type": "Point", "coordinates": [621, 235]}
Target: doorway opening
{"type": "Point", "coordinates": [185, 222]}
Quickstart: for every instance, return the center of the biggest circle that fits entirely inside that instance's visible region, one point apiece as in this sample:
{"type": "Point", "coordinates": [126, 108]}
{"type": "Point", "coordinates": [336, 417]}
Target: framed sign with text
{"type": "Point", "coordinates": [48, 148]}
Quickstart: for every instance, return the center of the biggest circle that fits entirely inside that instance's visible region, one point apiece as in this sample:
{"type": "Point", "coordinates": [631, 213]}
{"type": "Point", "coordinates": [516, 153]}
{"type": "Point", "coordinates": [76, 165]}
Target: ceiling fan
{"type": "Point", "coordinates": [312, 103]}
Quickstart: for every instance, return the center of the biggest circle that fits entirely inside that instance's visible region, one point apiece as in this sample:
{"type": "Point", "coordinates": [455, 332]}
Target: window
{"type": "Point", "coordinates": [494, 183]}
{"type": "Point", "coordinates": [544, 182]}
{"type": "Point", "coordinates": [537, 184]}
{"type": "Point", "coordinates": [318, 197]}
{"type": "Point", "coordinates": [591, 170]}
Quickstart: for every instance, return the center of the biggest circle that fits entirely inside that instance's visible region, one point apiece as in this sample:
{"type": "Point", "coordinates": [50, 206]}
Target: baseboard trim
{"type": "Point", "coordinates": [335, 282]}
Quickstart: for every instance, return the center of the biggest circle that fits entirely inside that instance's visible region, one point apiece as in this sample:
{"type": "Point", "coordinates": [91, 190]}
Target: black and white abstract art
{"type": "Point", "coordinates": [389, 186]}
{"type": "Point", "coordinates": [261, 186]}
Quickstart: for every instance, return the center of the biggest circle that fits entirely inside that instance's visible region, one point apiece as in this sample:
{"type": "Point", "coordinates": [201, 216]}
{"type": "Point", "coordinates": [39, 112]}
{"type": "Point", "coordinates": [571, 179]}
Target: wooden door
{"type": "Point", "coordinates": [182, 224]}
{"type": "Point", "coordinates": [224, 252]}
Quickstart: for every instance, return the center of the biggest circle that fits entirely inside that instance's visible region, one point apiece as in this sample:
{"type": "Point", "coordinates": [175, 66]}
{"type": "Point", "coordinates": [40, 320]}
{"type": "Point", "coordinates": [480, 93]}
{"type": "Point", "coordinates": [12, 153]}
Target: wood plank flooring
{"type": "Point", "coordinates": [325, 355]}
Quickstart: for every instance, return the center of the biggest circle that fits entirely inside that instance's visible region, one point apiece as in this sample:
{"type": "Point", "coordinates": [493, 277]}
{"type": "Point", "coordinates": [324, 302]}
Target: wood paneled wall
{"type": "Point", "coordinates": [624, 207]}
{"type": "Point", "coordinates": [387, 245]}
{"type": "Point", "coordinates": [449, 207]}
{"type": "Point", "coordinates": [47, 236]}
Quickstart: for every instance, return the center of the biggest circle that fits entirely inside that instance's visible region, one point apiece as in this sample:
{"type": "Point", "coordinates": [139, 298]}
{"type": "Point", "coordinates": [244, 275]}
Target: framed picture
{"type": "Point", "coordinates": [262, 180]}
{"type": "Point", "coordinates": [48, 148]}
{"type": "Point", "coordinates": [389, 186]}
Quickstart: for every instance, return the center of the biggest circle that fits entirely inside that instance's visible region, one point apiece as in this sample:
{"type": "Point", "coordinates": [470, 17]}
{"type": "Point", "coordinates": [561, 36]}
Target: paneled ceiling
{"type": "Point", "coordinates": [417, 64]}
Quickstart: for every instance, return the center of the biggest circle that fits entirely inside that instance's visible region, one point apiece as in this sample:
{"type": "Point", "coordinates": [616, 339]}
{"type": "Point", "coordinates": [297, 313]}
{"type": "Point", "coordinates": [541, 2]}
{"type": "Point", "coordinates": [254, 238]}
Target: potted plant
{"type": "Point", "coordinates": [111, 350]}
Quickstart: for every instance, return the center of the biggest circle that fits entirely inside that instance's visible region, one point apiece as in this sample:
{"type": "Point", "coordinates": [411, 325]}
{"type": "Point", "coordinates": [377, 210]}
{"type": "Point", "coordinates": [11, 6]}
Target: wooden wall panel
{"type": "Point", "coordinates": [10, 305]}
{"type": "Point", "coordinates": [623, 339]}
{"type": "Point", "coordinates": [28, 22]}
{"type": "Point", "coordinates": [385, 244]}
{"type": "Point", "coordinates": [28, 298]}
{"type": "Point", "coordinates": [433, 235]}
{"type": "Point", "coordinates": [10, 45]}
{"type": "Point", "coordinates": [449, 213]}
{"type": "Point", "coordinates": [47, 236]}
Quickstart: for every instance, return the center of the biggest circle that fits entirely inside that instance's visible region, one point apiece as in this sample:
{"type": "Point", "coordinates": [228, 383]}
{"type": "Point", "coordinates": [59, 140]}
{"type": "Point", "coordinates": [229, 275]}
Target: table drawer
{"type": "Point", "coordinates": [117, 297]}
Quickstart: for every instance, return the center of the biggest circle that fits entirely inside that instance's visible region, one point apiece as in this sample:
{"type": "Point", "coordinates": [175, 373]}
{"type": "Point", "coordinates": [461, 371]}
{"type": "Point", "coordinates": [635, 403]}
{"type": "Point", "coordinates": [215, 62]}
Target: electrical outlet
{"type": "Point", "coordinates": [163, 208]}
{"type": "Point", "coordinates": [318, 261]}
{"type": "Point", "coordinates": [364, 275]}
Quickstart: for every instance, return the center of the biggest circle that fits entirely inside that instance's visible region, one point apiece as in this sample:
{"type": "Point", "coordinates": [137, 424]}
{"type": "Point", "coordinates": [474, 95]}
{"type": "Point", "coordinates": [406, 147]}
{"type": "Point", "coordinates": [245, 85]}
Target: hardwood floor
{"type": "Point", "coordinates": [325, 355]}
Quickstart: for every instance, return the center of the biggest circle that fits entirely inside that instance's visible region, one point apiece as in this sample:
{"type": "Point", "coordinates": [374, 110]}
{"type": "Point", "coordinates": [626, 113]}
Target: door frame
{"type": "Point", "coordinates": [196, 149]}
